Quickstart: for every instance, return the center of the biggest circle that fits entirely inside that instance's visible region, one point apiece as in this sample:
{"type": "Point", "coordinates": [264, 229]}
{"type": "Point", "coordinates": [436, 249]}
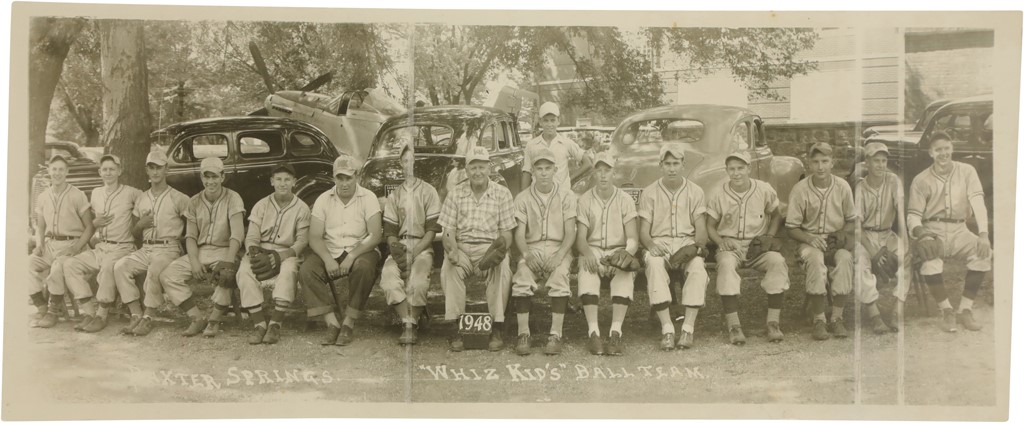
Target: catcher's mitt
{"type": "Point", "coordinates": [885, 264]}
{"type": "Point", "coordinates": [684, 255]}
{"type": "Point", "coordinates": [265, 263]}
{"type": "Point", "coordinates": [621, 259]}
{"type": "Point", "coordinates": [763, 244]}
{"type": "Point", "coordinates": [494, 254]}
{"type": "Point", "coordinates": [927, 249]}
{"type": "Point", "coordinates": [223, 274]}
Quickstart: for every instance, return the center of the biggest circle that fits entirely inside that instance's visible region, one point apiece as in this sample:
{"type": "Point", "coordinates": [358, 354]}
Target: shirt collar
{"type": "Point", "coordinates": [467, 190]}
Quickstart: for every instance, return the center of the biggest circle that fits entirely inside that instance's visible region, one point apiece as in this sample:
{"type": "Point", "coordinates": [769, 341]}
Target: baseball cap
{"type": "Point", "coordinates": [211, 164]}
{"type": "Point", "coordinates": [874, 148]}
{"type": "Point", "coordinates": [157, 157]}
{"type": "Point", "coordinates": [541, 153]}
{"type": "Point", "coordinates": [739, 155]}
{"type": "Point", "coordinates": [345, 165]}
{"type": "Point", "coordinates": [821, 147]}
{"type": "Point", "coordinates": [477, 153]}
{"type": "Point", "coordinates": [673, 148]}
{"type": "Point", "coordinates": [115, 159]}
{"type": "Point", "coordinates": [548, 108]}
{"type": "Point", "coordinates": [58, 157]}
{"type": "Point", "coordinates": [283, 167]}
{"type": "Point", "coordinates": [606, 158]}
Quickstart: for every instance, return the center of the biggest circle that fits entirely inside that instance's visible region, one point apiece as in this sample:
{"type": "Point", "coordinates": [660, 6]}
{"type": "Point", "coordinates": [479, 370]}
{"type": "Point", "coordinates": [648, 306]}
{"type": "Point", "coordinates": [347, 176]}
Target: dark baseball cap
{"type": "Point", "coordinates": [283, 167]}
{"type": "Point", "coordinates": [820, 147]}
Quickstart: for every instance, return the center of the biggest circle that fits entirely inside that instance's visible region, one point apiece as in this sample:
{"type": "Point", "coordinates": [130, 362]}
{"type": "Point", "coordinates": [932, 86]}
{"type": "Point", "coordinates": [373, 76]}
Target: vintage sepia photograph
{"type": "Point", "coordinates": [745, 216]}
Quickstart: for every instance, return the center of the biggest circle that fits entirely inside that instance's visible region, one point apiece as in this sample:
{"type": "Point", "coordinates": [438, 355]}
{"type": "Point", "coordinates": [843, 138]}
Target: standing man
{"type": "Point", "coordinates": [113, 204]}
{"type": "Point", "coordinates": [277, 236]}
{"type": "Point", "coordinates": [821, 208]}
{"type": "Point", "coordinates": [879, 199]}
{"type": "Point", "coordinates": [477, 216]}
{"type": "Point", "coordinates": [743, 211]}
{"type": "Point", "coordinates": [606, 229]}
{"type": "Point", "coordinates": [546, 214]}
{"type": "Point", "coordinates": [674, 233]}
{"type": "Point", "coordinates": [159, 217]}
{"type": "Point", "coordinates": [63, 228]}
{"type": "Point", "coordinates": [942, 198]}
{"type": "Point", "coordinates": [410, 224]}
{"type": "Point", "coordinates": [567, 153]}
{"type": "Point", "coordinates": [214, 233]}
{"type": "Point", "coordinates": [344, 231]}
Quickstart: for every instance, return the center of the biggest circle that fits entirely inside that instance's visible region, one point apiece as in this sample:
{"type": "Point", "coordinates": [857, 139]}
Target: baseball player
{"type": "Point", "coordinates": [344, 231]}
{"type": "Point", "coordinates": [879, 198]}
{"type": "Point", "coordinates": [674, 233]}
{"type": "Point", "coordinates": [276, 238]}
{"type": "Point", "coordinates": [745, 210]}
{"type": "Point", "coordinates": [567, 153]}
{"type": "Point", "coordinates": [821, 208]}
{"type": "Point", "coordinates": [606, 226]}
{"type": "Point", "coordinates": [214, 232]}
{"type": "Point", "coordinates": [546, 215]}
{"type": "Point", "coordinates": [942, 198]}
{"type": "Point", "coordinates": [159, 217]}
{"type": "Point", "coordinates": [410, 224]}
{"type": "Point", "coordinates": [63, 228]}
{"type": "Point", "coordinates": [477, 217]}
{"type": "Point", "coordinates": [113, 204]}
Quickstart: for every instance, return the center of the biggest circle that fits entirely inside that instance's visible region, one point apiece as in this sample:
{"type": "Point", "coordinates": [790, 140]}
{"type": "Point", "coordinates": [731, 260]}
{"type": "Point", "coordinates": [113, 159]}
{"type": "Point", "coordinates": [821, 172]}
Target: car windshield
{"type": "Point", "coordinates": [424, 138]}
{"type": "Point", "coordinates": [664, 130]}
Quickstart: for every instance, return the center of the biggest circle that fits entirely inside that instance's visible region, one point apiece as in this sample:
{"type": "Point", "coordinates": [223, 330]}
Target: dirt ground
{"type": "Point", "coordinates": [165, 367]}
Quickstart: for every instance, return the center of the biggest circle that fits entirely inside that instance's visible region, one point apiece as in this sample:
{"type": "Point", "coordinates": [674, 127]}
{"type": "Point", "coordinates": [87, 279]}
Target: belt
{"type": "Point", "coordinates": [161, 241]}
{"type": "Point", "coordinates": [409, 237]}
{"type": "Point", "coordinates": [61, 237]}
{"type": "Point", "coordinates": [103, 241]}
{"type": "Point", "coordinates": [477, 242]}
{"type": "Point", "coordinates": [877, 229]}
{"type": "Point", "coordinates": [944, 220]}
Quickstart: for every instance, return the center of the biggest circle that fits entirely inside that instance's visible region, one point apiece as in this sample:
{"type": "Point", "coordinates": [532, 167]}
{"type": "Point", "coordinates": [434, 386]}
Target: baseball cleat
{"type": "Point", "coordinates": [344, 336]}
{"type": "Point", "coordinates": [332, 335]}
{"type": "Point", "coordinates": [273, 334]}
{"type": "Point", "coordinates": [554, 346]}
{"type": "Point", "coordinates": [194, 328]}
{"type": "Point", "coordinates": [95, 325]}
{"type": "Point", "coordinates": [48, 321]}
{"type": "Point", "coordinates": [819, 332]}
{"type": "Point", "coordinates": [878, 326]}
{"type": "Point", "coordinates": [614, 344]}
{"type": "Point", "coordinates": [774, 333]}
{"type": "Point", "coordinates": [132, 324]}
{"type": "Point", "coordinates": [523, 344]}
{"type": "Point", "coordinates": [408, 335]}
{"type": "Point", "coordinates": [497, 342]}
{"type": "Point", "coordinates": [594, 344]}
{"type": "Point", "coordinates": [948, 320]}
{"type": "Point", "coordinates": [668, 341]}
{"type": "Point", "coordinates": [144, 327]}
{"type": "Point", "coordinates": [736, 336]}
{"type": "Point", "coordinates": [212, 329]}
{"type": "Point", "coordinates": [838, 328]}
{"type": "Point", "coordinates": [685, 340]}
{"type": "Point", "coordinates": [966, 318]}
{"type": "Point", "coordinates": [455, 343]}
{"type": "Point", "coordinates": [258, 332]}
{"type": "Point", "coordinates": [83, 323]}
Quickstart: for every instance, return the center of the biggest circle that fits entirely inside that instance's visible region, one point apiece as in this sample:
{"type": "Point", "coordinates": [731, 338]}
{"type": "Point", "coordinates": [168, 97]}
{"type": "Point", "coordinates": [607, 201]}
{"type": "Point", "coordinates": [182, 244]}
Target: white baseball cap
{"type": "Point", "coordinates": [548, 108]}
{"type": "Point", "coordinates": [477, 153]}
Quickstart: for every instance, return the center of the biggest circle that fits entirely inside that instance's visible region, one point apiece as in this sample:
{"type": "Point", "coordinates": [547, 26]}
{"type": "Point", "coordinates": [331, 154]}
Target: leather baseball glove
{"type": "Point", "coordinates": [834, 242]}
{"type": "Point", "coordinates": [929, 248]}
{"type": "Point", "coordinates": [494, 254]}
{"type": "Point", "coordinates": [621, 259]}
{"type": "Point", "coordinates": [224, 274]}
{"type": "Point", "coordinates": [401, 256]}
{"type": "Point", "coordinates": [684, 255]}
{"type": "Point", "coordinates": [265, 263]}
{"type": "Point", "coordinates": [763, 244]}
{"type": "Point", "coordinates": [885, 264]}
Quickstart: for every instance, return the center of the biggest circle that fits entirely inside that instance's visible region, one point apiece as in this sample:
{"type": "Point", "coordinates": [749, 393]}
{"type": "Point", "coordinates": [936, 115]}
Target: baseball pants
{"type": "Point", "coordinates": [622, 281]}
{"type": "Point", "coordinates": [48, 270]}
{"type": "Point", "coordinates": [866, 283]}
{"type": "Point", "coordinates": [696, 279]}
{"type": "Point", "coordinates": [317, 293]}
{"type": "Point", "coordinates": [250, 289]}
{"type": "Point", "coordinates": [98, 262]}
{"type": "Point", "coordinates": [414, 288]}
{"type": "Point", "coordinates": [453, 281]}
{"type": "Point", "coordinates": [958, 243]}
{"type": "Point", "coordinates": [152, 259]}
{"type": "Point", "coordinates": [771, 263]}
{"type": "Point", "coordinates": [174, 279]}
{"type": "Point", "coordinates": [816, 274]}
{"type": "Point", "coordinates": [524, 282]}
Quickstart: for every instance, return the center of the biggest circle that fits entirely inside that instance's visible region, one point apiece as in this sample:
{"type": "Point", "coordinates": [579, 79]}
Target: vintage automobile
{"type": "Point", "coordinates": [250, 146]}
{"type": "Point", "coordinates": [909, 131]}
{"type": "Point", "coordinates": [601, 135]}
{"type": "Point", "coordinates": [709, 133]}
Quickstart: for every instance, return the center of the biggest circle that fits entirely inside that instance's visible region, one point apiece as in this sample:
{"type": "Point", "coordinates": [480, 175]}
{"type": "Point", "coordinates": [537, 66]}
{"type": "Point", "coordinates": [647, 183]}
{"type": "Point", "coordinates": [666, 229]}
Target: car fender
{"type": "Point", "coordinates": [784, 173]}
{"type": "Point", "coordinates": [309, 187]}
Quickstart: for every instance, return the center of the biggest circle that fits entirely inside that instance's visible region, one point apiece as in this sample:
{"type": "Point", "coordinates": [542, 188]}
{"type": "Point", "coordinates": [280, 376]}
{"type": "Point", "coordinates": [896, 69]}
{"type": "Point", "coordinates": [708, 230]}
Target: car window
{"type": "Point", "coordinates": [664, 130]}
{"type": "Point", "coordinates": [759, 138]}
{"type": "Point", "coordinates": [740, 136]}
{"type": "Point", "coordinates": [302, 144]}
{"type": "Point", "coordinates": [986, 130]}
{"type": "Point", "coordinates": [956, 125]}
{"type": "Point", "coordinates": [425, 138]}
{"type": "Point", "coordinates": [502, 135]}
{"type": "Point", "coordinates": [487, 138]}
{"type": "Point", "coordinates": [200, 147]}
{"type": "Point", "coordinates": [253, 145]}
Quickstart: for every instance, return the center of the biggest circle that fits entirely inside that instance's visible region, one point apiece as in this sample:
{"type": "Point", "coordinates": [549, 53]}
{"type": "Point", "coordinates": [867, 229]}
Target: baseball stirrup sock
{"type": "Point", "coordinates": [559, 304]}
{"type": "Point", "coordinates": [872, 309]}
{"type": "Point", "coordinates": [817, 304]}
{"type": "Point", "coordinates": [616, 300]}
{"type": "Point", "coordinates": [972, 282]}
{"type": "Point", "coordinates": [523, 304]}
{"type": "Point", "coordinates": [37, 299]}
{"type": "Point", "coordinates": [775, 301]}
{"type": "Point", "coordinates": [732, 319]}
{"type": "Point", "coordinates": [937, 287]}
{"type": "Point", "coordinates": [588, 299]}
{"type": "Point", "coordinates": [730, 304]}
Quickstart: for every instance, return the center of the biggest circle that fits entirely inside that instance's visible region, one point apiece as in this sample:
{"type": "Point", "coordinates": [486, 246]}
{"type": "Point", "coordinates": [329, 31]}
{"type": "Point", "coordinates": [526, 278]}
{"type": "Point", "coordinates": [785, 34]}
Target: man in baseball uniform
{"type": "Point", "coordinates": [819, 206]}
{"type": "Point", "coordinates": [671, 214]}
{"type": "Point", "coordinates": [942, 198]}
{"type": "Point", "coordinates": [410, 224]}
{"type": "Point", "coordinates": [278, 227]}
{"type": "Point", "coordinates": [546, 215]}
{"type": "Point", "coordinates": [567, 153]}
{"type": "Point", "coordinates": [112, 204]}
{"type": "Point", "coordinates": [879, 198]}
{"type": "Point", "coordinates": [605, 224]}
{"type": "Point", "coordinates": [344, 231]}
{"type": "Point", "coordinates": [742, 210]}
{"type": "Point", "coordinates": [474, 216]}
{"type": "Point", "coordinates": [63, 228]}
{"type": "Point", "coordinates": [214, 232]}
{"type": "Point", "coordinates": [159, 217]}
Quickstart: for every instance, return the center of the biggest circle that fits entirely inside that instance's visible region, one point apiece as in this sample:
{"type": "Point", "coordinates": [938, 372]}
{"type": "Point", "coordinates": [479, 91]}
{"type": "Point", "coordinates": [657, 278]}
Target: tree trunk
{"type": "Point", "coordinates": [126, 118]}
{"type": "Point", "coordinates": [49, 41]}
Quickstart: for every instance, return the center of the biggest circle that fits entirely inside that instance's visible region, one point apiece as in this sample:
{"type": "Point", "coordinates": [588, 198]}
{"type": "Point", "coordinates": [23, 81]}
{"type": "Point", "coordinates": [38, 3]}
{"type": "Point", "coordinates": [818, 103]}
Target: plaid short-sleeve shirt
{"type": "Point", "coordinates": [478, 221]}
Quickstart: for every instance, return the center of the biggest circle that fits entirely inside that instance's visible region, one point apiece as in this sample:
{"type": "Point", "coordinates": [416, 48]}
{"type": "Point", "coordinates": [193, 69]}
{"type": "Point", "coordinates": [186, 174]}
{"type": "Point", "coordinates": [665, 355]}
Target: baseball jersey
{"type": "Point", "coordinates": [544, 215]}
{"type": "Point", "coordinates": [168, 209]}
{"type": "Point", "coordinates": [820, 211]}
{"type": "Point", "coordinates": [877, 206]}
{"type": "Point", "coordinates": [671, 214]}
{"type": "Point", "coordinates": [743, 215]}
{"type": "Point", "coordinates": [564, 149]}
{"type": "Point", "coordinates": [606, 220]}
{"type": "Point", "coordinates": [118, 204]}
{"type": "Point", "coordinates": [412, 210]}
{"type": "Point", "coordinates": [284, 225]}
{"type": "Point", "coordinates": [949, 197]}
{"type": "Point", "coordinates": [63, 211]}
{"type": "Point", "coordinates": [478, 221]}
{"type": "Point", "coordinates": [210, 222]}
{"type": "Point", "coordinates": [345, 225]}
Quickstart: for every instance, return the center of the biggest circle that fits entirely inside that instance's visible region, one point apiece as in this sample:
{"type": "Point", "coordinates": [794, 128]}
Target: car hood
{"type": "Point", "coordinates": [888, 129]}
{"type": "Point", "coordinates": [912, 137]}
